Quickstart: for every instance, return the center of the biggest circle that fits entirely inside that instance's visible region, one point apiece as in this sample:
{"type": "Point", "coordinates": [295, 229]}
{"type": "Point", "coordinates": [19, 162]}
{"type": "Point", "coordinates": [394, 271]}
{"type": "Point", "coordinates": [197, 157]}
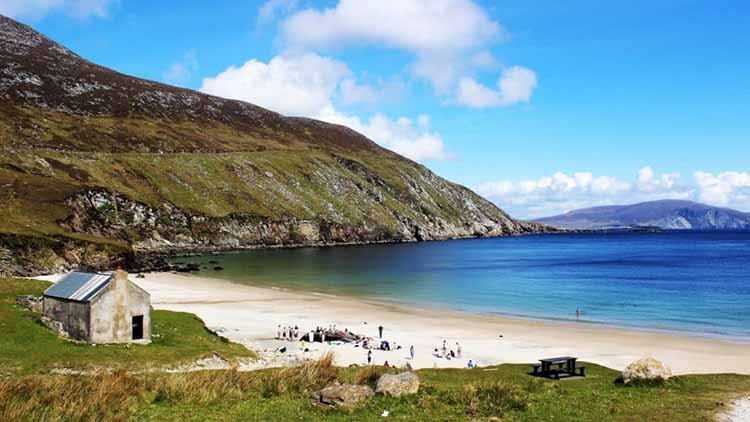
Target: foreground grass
{"type": "Point", "coordinates": [27, 347]}
{"type": "Point", "coordinates": [505, 392]}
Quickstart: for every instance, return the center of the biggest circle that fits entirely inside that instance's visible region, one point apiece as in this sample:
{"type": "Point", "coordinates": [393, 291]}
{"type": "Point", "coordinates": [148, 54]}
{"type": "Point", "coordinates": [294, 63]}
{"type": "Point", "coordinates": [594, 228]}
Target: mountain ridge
{"type": "Point", "coordinates": [100, 168]}
{"type": "Point", "coordinates": [665, 214]}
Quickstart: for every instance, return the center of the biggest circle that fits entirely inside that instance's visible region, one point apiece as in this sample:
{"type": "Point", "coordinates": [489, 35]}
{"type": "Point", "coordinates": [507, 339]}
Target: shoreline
{"type": "Point", "coordinates": [250, 315]}
{"type": "Point", "coordinates": [444, 308]}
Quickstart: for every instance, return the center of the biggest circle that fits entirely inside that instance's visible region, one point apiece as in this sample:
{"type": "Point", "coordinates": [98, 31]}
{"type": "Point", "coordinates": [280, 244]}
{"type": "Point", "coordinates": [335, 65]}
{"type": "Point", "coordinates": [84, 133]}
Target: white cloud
{"type": "Point", "coordinates": [484, 60]}
{"type": "Point", "coordinates": [36, 9]}
{"type": "Point", "coordinates": [293, 85]}
{"type": "Point", "coordinates": [306, 85]}
{"type": "Point", "coordinates": [352, 92]}
{"type": "Point", "coordinates": [441, 70]}
{"type": "Point", "coordinates": [448, 38]}
{"type": "Point", "coordinates": [181, 71]}
{"type": "Point", "coordinates": [648, 182]}
{"type": "Point", "coordinates": [415, 25]}
{"type": "Point", "coordinates": [514, 86]}
{"type": "Point", "coordinates": [563, 192]}
{"type": "Point", "coordinates": [401, 135]}
{"type": "Point", "coordinates": [726, 188]}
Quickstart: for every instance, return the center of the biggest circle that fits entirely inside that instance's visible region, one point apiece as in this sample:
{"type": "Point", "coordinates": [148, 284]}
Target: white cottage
{"type": "Point", "coordinates": [100, 308]}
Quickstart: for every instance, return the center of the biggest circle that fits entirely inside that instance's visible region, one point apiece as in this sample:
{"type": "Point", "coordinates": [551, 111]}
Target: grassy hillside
{"type": "Point", "coordinates": [96, 165]}
{"type": "Point", "coordinates": [504, 392]}
{"type": "Point", "coordinates": [27, 347]}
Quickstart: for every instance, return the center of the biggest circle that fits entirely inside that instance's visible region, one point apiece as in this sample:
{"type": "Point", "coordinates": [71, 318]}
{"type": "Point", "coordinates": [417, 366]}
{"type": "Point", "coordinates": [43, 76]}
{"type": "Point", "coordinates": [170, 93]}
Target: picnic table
{"type": "Point", "coordinates": [564, 366]}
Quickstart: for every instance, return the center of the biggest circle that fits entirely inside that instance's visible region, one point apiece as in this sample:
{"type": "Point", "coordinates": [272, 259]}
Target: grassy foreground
{"type": "Point", "coordinates": [26, 346]}
{"type": "Point", "coordinates": [29, 392]}
{"type": "Point", "coordinates": [505, 392]}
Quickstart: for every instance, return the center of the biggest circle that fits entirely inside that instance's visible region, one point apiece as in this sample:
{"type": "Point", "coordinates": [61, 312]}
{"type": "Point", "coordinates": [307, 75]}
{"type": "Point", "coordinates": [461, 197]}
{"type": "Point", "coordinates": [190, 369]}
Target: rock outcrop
{"type": "Point", "coordinates": [342, 395]}
{"type": "Point", "coordinates": [646, 370]}
{"type": "Point", "coordinates": [32, 303]}
{"type": "Point", "coordinates": [170, 229]}
{"type": "Point", "coordinates": [739, 411]}
{"type": "Point", "coordinates": [56, 327]}
{"type": "Point", "coordinates": [397, 385]}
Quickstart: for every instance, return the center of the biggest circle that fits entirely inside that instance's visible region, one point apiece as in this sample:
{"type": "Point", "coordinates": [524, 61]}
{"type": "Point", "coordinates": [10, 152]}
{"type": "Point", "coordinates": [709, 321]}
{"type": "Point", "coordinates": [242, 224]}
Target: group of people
{"type": "Point", "coordinates": [292, 333]}
{"type": "Point", "coordinates": [287, 332]}
{"type": "Point", "coordinates": [319, 334]}
{"type": "Point", "coordinates": [446, 353]}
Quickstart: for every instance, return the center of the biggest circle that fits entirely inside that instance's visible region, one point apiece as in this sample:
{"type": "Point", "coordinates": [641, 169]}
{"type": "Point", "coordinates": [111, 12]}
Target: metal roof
{"type": "Point", "coordinates": [79, 286]}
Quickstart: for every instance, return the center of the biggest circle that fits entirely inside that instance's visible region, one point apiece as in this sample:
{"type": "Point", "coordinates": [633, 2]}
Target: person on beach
{"type": "Point", "coordinates": [578, 314]}
{"type": "Point", "coordinates": [278, 332]}
{"type": "Point", "coordinates": [386, 364]}
{"type": "Point", "coordinates": [411, 352]}
{"type": "Point", "coordinates": [369, 357]}
{"type": "Point", "coordinates": [380, 330]}
{"type": "Point", "coordinates": [470, 364]}
{"type": "Point", "coordinates": [323, 337]}
{"type": "Point", "coordinates": [458, 350]}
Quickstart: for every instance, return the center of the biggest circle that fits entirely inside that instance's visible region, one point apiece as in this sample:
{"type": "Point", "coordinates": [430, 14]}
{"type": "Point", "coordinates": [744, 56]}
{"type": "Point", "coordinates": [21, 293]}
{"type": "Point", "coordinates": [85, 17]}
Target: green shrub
{"type": "Point", "coordinates": [300, 379]}
{"type": "Point", "coordinates": [44, 398]}
{"type": "Point", "coordinates": [493, 398]}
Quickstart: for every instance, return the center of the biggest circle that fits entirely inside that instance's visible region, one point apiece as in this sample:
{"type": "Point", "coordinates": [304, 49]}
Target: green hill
{"type": "Point", "coordinates": [97, 167]}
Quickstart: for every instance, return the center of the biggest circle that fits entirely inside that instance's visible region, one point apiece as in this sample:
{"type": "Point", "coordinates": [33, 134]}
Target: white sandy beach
{"type": "Point", "coordinates": [250, 315]}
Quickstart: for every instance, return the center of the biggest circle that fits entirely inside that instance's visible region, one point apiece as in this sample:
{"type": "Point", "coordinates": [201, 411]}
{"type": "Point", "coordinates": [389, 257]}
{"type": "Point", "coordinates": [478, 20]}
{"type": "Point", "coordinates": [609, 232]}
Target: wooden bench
{"type": "Point", "coordinates": [556, 368]}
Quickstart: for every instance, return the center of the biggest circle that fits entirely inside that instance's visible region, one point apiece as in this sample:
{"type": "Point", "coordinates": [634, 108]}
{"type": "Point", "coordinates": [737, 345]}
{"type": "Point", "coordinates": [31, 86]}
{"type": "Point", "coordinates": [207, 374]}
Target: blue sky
{"type": "Point", "coordinates": [541, 106]}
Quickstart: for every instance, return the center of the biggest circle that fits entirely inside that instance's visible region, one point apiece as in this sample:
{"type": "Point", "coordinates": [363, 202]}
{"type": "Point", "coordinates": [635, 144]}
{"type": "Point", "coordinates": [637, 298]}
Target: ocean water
{"type": "Point", "coordinates": [691, 282]}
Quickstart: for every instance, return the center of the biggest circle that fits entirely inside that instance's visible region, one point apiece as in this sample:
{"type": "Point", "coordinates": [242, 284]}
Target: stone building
{"type": "Point", "coordinates": [100, 308]}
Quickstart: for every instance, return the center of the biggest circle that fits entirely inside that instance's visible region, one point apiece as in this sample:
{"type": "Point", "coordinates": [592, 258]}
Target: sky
{"type": "Point", "coordinates": [543, 107]}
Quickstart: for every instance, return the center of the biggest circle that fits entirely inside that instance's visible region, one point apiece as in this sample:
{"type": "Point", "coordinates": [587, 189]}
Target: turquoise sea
{"type": "Point", "coordinates": [691, 282]}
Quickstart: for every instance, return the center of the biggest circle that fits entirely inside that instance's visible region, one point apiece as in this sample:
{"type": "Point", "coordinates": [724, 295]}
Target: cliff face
{"type": "Point", "coordinates": [96, 165]}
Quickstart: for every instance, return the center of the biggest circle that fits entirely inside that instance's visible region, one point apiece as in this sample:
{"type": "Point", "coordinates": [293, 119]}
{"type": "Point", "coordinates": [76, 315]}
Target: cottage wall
{"type": "Point", "coordinates": [74, 316]}
{"type": "Point", "coordinates": [112, 310]}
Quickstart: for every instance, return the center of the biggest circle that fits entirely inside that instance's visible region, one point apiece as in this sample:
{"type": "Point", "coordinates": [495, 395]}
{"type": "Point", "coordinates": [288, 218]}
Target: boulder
{"type": "Point", "coordinates": [34, 303]}
{"type": "Point", "coordinates": [396, 385]}
{"type": "Point", "coordinates": [343, 395]}
{"type": "Point", "coordinates": [55, 326]}
{"type": "Point", "coordinates": [648, 369]}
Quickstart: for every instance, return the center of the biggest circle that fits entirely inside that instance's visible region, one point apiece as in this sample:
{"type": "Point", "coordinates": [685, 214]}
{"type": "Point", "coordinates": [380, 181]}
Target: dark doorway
{"type": "Point", "coordinates": [138, 327]}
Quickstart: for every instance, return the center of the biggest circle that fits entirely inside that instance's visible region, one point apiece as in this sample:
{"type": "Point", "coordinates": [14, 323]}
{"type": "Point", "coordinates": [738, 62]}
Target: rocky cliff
{"type": "Point", "coordinates": [97, 167]}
